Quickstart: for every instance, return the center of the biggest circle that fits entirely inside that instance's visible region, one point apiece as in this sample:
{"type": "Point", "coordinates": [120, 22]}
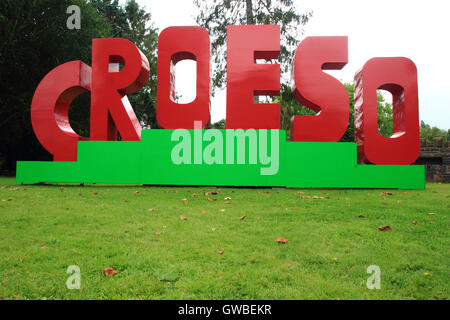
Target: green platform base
{"type": "Point", "coordinates": [149, 161]}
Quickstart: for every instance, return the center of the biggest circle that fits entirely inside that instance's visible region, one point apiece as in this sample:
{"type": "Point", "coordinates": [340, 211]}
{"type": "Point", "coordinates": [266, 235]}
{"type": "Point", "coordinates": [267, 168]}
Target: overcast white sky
{"type": "Point", "coordinates": [416, 29]}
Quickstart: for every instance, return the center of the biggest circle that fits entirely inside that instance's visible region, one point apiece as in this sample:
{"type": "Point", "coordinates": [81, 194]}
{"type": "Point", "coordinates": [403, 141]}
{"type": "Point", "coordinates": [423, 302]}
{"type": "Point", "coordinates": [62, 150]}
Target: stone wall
{"type": "Point", "coordinates": [435, 155]}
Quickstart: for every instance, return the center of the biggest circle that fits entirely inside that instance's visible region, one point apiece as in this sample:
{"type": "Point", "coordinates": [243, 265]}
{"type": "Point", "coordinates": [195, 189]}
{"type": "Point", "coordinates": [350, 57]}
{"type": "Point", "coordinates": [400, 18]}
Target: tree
{"type": "Point", "coordinates": [429, 133]}
{"type": "Point", "coordinates": [293, 107]}
{"type": "Point", "coordinates": [35, 39]}
{"type": "Point", "coordinates": [132, 22]}
{"type": "Point", "coordinates": [216, 15]}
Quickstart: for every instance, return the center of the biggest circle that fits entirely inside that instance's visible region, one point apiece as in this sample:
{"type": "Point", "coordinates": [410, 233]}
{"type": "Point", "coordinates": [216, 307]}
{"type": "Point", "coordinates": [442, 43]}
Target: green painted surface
{"type": "Point", "coordinates": [149, 161]}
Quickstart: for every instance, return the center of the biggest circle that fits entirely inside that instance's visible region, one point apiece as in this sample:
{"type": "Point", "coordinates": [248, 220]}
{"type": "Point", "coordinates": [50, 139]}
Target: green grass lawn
{"type": "Point", "coordinates": [332, 238]}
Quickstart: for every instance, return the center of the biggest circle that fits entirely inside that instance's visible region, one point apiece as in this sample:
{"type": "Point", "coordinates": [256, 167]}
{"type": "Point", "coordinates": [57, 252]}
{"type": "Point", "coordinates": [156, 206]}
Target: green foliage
{"type": "Point", "coordinates": [218, 125]}
{"type": "Point", "coordinates": [429, 133]}
{"type": "Point", "coordinates": [290, 107]}
{"type": "Point", "coordinates": [214, 16]}
{"type": "Point", "coordinates": [132, 22]}
{"type": "Point", "coordinates": [35, 39]}
{"type": "Point", "coordinates": [331, 242]}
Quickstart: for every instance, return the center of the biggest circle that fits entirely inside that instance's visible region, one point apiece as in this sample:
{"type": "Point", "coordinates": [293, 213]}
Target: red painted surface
{"type": "Point", "coordinates": [110, 108]}
{"type": "Point", "coordinates": [50, 108]}
{"type": "Point", "coordinates": [174, 45]}
{"type": "Point", "coordinates": [245, 79]}
{"type": "Point", "coordinates": [399, 77]}
{"type": "Point", "coordinates": [319, 91]}
{"type": "Point", "coordinates": [111, 112]}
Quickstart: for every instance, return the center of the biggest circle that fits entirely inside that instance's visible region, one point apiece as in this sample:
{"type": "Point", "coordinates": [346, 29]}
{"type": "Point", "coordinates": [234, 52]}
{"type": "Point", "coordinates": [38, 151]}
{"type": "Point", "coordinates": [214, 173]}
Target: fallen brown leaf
{"type": "Point", "coordinates": [243, 217]}
{"type": "Point", "coordinates": [109, 272]}
{"type": "Point", "coordinates": [211, 199]}
{"type": "Point", "coordinates": [385, 228]}
{"type": "Point", "coordinates": [94, 192]}
{"type": "Point", "coordinates": [203, 211]}
{"type": "Point", "coordinates": [414, 222]}
{"type": "Point", "coordinates": [281, 240]}
{"type": "Point", "coordinates": [220, 251]}
{"type": "Point", "coordinates": [43, 246]}
{"type": "Point", "coordinates": [21, 259]}
{"type": "Point", "coordinates": [186, 202]}
{"type": "Point", "coordinates": [227, 202]}
{"type": "Point", "coordinates": [136, 193]}
{"type": "Point", "coordinates": [182, 217]}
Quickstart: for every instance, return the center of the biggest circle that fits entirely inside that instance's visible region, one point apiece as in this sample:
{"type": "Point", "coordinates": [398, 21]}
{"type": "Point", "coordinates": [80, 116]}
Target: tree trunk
{"type": "Point", "coordinates": [250, 19]}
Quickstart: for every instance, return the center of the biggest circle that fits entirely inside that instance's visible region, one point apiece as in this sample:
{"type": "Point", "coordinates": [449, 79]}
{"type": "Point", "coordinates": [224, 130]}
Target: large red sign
{"type": "Point", "coordinates": [111, 113]}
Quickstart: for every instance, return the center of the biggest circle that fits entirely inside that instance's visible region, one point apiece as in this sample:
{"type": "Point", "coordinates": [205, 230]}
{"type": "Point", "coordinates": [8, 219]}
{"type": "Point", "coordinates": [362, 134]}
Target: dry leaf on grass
{"type": "Point", "coordinates": [211, 199]}
{"type": "Point", "coordinates": [227, 202]}
{"type": "Point", "coordinates": [203, 211]}
{"type": "Point", "coordinates": [220, 251]}
{"type": "Point", "coordinates": [222, 210]}
{"type": "Point", "coordinates": [385, 228]}
{"type": "Point", "coordinates": [94, 192]}
{"type": "Point", "coordinates": [415, 222]}
{"type": "Point", "coordinates": [243, 217]}
{"type": "Point", "coordinates": [43, 246]}
{"type": "Point", "coordinates": [386, 193]}
{"type": "Point", "coordinates": [281, 240]}
{"type": "Point", "coordinates": [362, 216]}
{"type": "Point", "coordinates": [227, 198]}
{"type": "Point", "coordinates": [182, 217]}
{"type": "Point", "coordinates": [109, 272]}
